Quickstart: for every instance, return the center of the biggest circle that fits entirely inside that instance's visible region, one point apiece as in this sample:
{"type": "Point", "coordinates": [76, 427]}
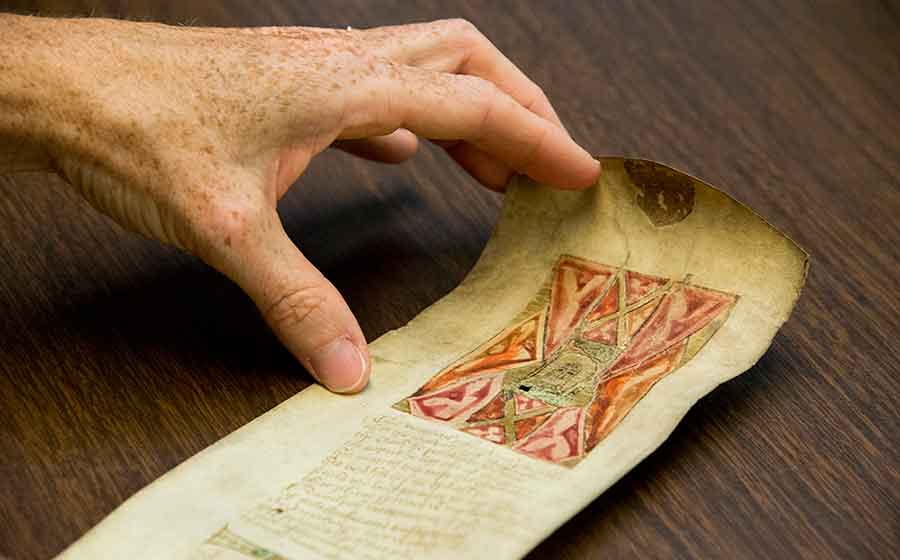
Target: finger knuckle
{"type": "Point", "coordinates": [464, 35]}
{"type": "Point", "coordinates": [530, 156]}
{"type": "Point", "coordinates": [295, 307]}
{"type": "Point", "coordinates": [536, 97]}
{"type": "Point", "coordinates": [463, 28]}
{"type": "Point", "coordinates": [485, 98]}
{"type": "Point", "coordinates": [484, 91]}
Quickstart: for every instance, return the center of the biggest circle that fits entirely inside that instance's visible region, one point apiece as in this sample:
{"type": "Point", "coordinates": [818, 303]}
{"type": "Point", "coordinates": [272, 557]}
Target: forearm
{"type": "Point", "coordinates": [46, 99]}
{"type": "Point", "coordinates": [86, 90]}
{"type": "Point", "coordinates": [26, 87]}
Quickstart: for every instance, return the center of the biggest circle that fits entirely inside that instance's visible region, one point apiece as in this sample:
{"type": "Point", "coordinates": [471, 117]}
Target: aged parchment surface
{"type": "Point", "coordinates": [586, 330]}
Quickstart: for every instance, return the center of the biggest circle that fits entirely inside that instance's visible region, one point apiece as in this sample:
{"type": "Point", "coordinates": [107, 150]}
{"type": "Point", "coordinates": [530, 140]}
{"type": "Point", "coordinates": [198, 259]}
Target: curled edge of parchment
{"type": "Point", "coordinates": [666, 196]}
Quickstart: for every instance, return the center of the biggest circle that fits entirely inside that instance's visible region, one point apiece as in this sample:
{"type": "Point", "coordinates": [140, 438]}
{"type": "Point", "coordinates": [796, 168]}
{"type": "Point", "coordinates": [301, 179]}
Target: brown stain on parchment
{"type": "Point", "coordinates": [665, 195]}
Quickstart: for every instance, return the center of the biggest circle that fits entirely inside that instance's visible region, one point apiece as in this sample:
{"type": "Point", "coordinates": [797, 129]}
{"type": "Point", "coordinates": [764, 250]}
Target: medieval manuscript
{"type": "Point", "coordinates": [589, 326]}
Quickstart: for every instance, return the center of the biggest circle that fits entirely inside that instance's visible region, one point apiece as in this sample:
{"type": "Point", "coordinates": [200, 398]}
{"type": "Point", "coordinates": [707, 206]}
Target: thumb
{"type": "Point", "coordinates": [301, 306]}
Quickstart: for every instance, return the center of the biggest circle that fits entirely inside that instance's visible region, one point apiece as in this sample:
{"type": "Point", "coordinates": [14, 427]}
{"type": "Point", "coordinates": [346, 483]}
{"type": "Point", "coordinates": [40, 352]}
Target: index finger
{"type": "Point", "coordinates": [457, 46]}
{"type": "Point", "coordinates": [454, 107]}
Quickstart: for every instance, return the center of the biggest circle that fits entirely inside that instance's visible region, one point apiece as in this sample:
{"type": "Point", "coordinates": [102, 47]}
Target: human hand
{"type": "Point", "coordinates": [191, 135]}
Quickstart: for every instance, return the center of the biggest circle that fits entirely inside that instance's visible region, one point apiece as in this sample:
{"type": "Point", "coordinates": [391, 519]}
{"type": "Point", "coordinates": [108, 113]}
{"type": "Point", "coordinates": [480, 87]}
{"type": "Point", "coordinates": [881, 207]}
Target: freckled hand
{"type": "Point", "coordinates": [191, 135]}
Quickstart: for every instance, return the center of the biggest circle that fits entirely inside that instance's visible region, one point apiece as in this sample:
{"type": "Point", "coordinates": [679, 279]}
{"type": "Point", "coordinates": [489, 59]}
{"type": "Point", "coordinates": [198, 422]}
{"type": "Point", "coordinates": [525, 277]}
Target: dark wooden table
{"type": "Point", "coordinates": [120, 358]}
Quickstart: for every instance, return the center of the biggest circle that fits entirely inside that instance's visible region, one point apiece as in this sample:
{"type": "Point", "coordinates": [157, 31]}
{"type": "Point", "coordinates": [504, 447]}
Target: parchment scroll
{"type": "Point", "coordinates": [590, 325]}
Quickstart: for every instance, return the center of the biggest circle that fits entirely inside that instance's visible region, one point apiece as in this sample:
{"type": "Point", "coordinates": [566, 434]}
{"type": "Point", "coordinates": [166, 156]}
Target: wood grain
{"type": "Point", "coordinates": [119, 358]}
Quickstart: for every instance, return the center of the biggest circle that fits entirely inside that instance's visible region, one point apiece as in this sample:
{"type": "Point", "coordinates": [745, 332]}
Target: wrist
{"type": "Point", "coordinates": [26, 83]}
{"type": "Point", "coordinates": [40, 91]}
